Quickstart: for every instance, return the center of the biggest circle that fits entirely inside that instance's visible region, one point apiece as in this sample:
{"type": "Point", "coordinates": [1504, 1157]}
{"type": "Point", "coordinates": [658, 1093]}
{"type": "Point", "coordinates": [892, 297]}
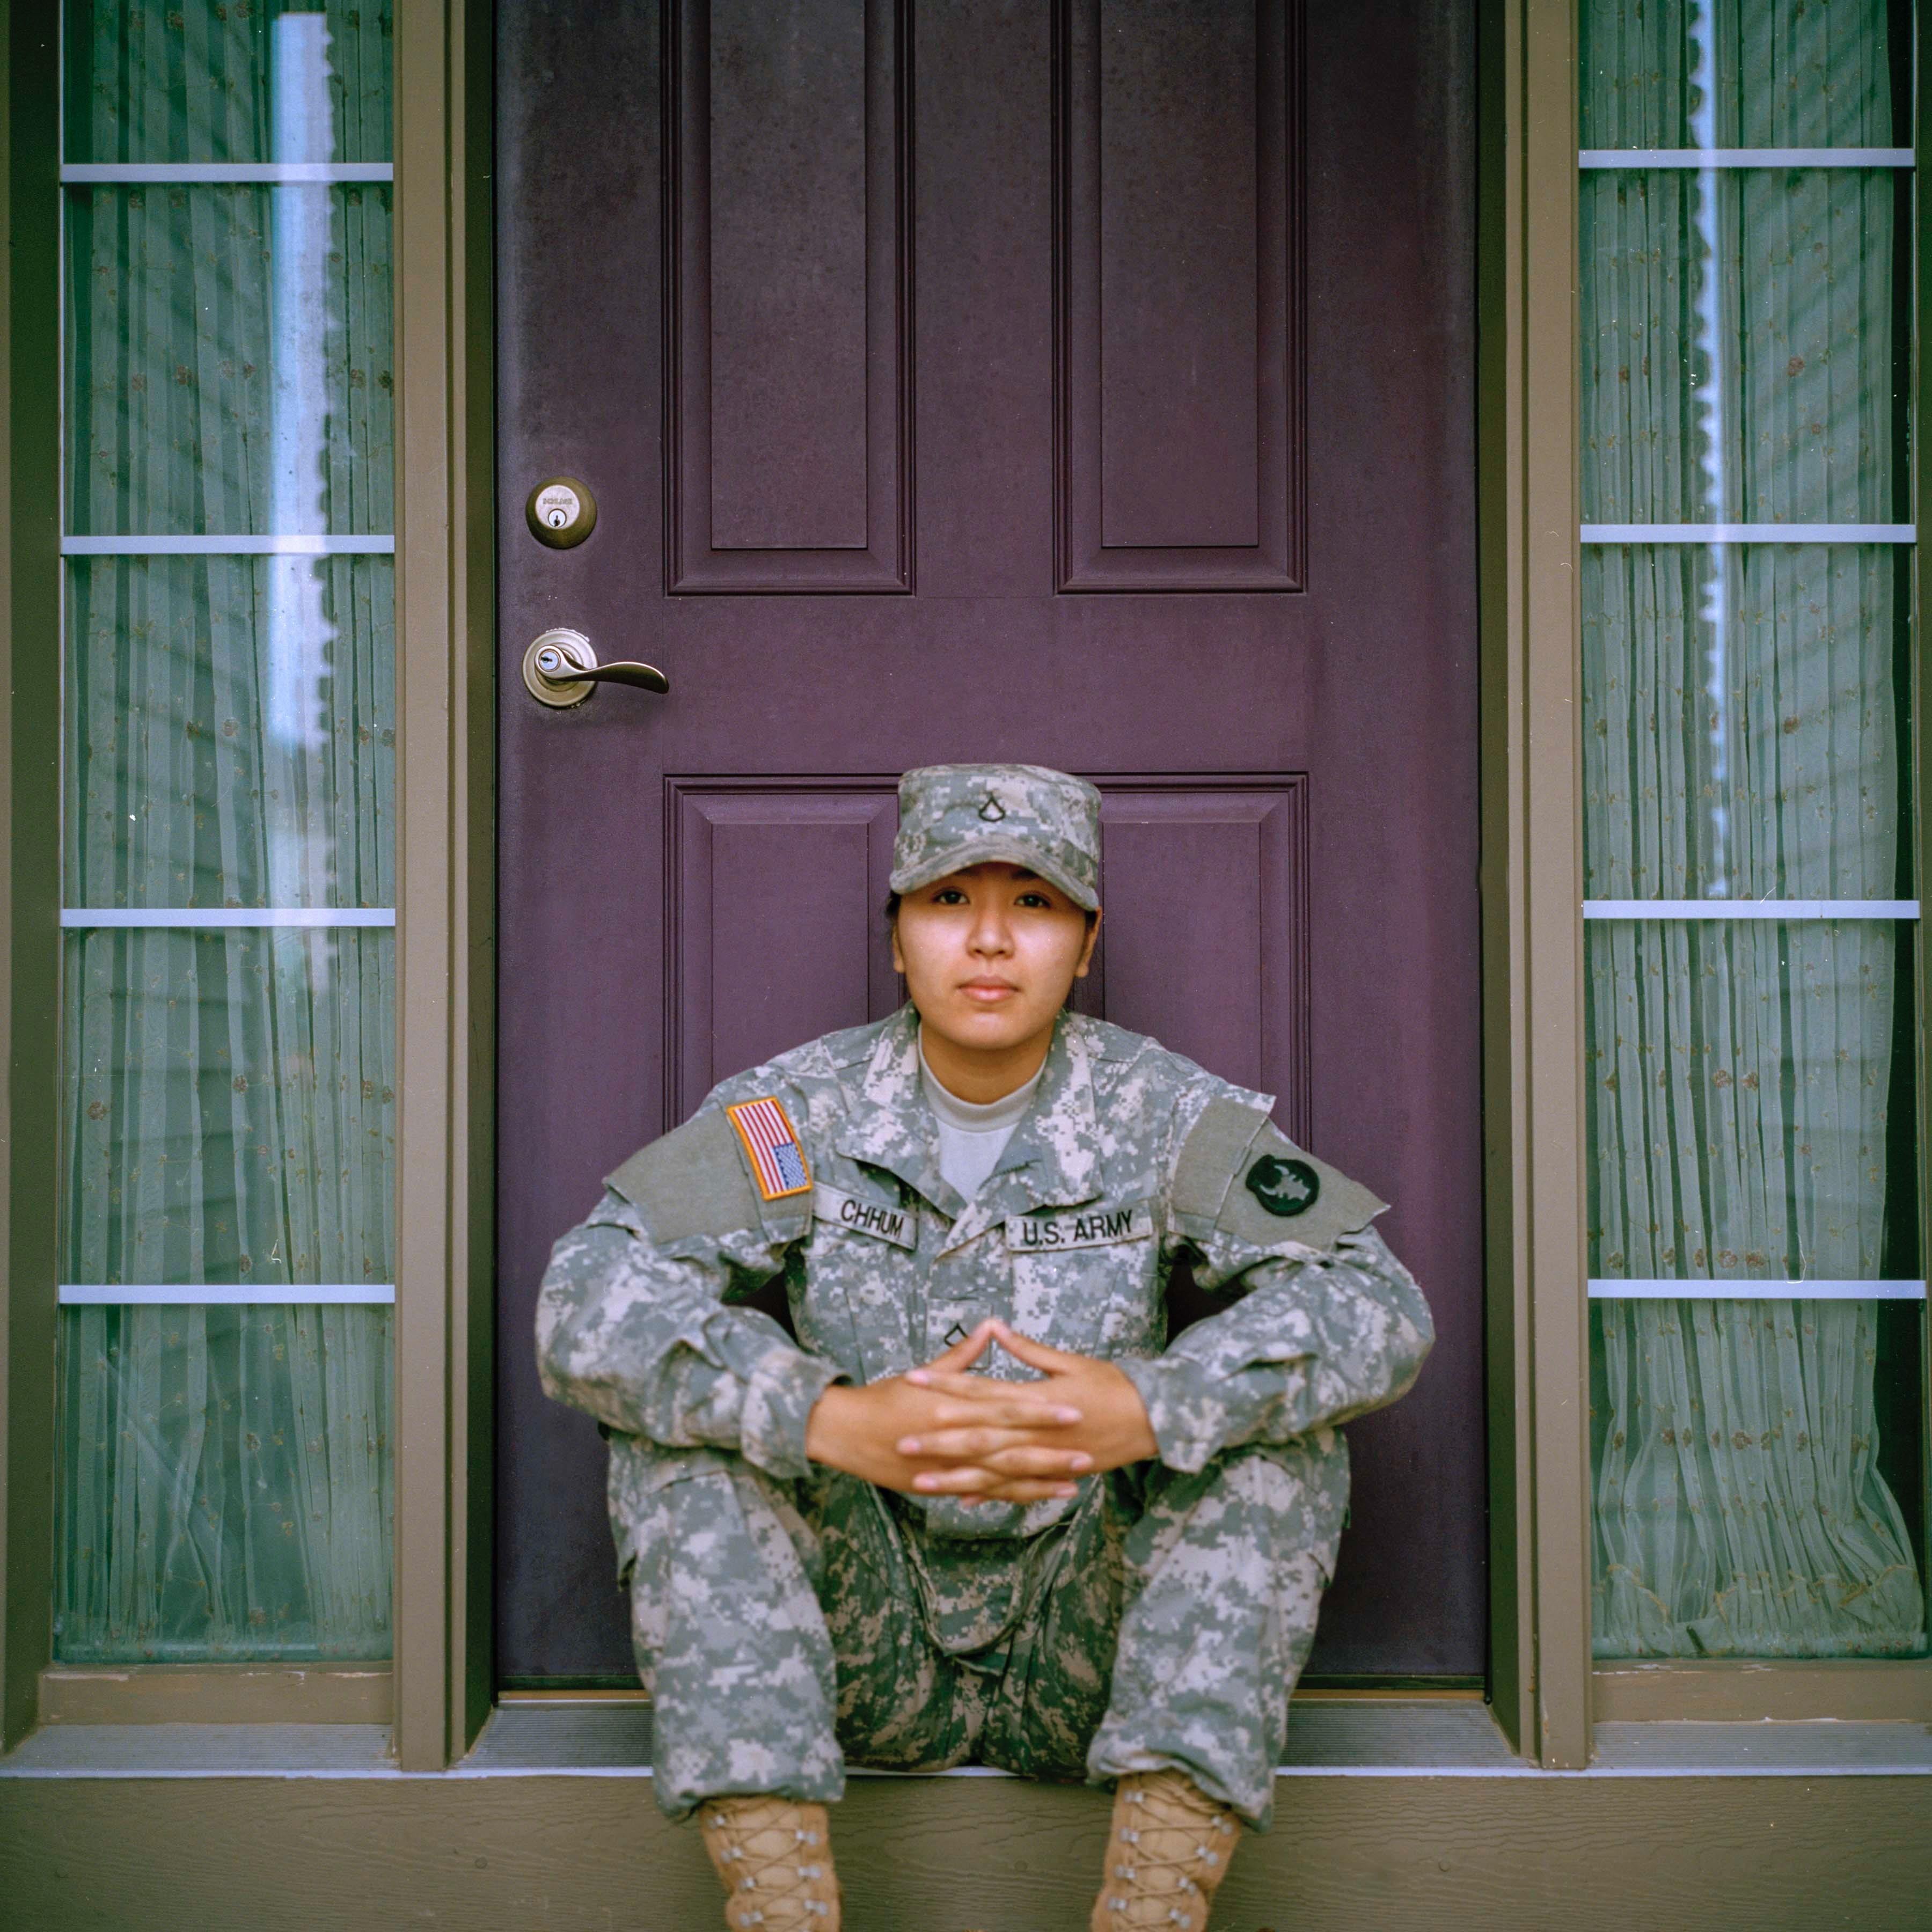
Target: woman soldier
{"type": "Point", "coordinates": [974, 1511]}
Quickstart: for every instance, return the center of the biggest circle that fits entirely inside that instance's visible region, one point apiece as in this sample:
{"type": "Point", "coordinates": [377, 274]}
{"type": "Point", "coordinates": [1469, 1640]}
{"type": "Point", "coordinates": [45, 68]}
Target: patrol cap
{"type": "Point", "coordinates": [953, 816]}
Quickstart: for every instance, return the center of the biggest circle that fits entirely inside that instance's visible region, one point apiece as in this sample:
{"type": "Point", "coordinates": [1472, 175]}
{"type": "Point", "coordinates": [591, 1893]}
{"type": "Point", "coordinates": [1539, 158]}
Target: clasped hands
{"type": "Point", "coordinates": [940, 1431]}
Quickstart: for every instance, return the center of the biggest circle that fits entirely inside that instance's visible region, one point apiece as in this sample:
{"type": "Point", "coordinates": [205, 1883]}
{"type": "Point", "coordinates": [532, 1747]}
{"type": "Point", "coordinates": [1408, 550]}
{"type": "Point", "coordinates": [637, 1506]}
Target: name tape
{"type": "Point", "coordinates": [899, 1226]}
{"type": "Point", "coordinates": [1083, 1228]}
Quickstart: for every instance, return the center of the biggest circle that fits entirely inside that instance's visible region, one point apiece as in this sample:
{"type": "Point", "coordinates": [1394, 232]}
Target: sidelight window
{"type": "Point", "coordinates": [1749, 884]}
{"type": "Point", "coordinates": [228, 755]}
{"type": "Point", "coordinates": [1752, 923]}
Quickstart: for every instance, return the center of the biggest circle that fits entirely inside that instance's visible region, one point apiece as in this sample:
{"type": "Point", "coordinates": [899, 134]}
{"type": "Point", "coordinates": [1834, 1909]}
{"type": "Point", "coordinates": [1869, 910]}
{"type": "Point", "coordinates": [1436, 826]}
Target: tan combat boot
{"type": "Point", "coordinates": [775, 1859]}
{"type": "Point", "coordinates": [1167, 1849]}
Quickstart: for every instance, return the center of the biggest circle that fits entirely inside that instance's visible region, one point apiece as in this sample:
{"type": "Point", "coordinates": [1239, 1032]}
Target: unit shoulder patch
{"type": "Point", "coordinates": [1239, 1171]}
{"type": "Point", "coordinates": [690, 1183]}
{"type": "Point", "coordinates": [1286, 1187]}
{"type": "Point", "coordinates": [772, 1145]}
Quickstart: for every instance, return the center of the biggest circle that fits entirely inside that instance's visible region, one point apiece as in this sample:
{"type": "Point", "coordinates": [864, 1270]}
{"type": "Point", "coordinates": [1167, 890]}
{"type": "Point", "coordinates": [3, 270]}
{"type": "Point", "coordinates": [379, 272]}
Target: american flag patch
{"type": "Point", "coordinates": [778, 1161]}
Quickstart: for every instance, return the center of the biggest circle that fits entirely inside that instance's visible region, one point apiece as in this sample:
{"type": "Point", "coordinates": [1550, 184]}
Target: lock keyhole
{"type": "Point", "coordinates": [560, 512]}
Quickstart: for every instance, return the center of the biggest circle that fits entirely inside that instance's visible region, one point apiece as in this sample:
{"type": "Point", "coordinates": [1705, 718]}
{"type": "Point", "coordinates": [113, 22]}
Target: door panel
{"type": "Point", "coordinates": [760, 966]}
{"type": "Point", "coordinates": [1204, 939]}
{"type": "Point", "coordinates": [791, 372]}
{"type": "Point", "coordinates": [1179, 267]}
{"type": "Point", "coordinates": [1101, 582]}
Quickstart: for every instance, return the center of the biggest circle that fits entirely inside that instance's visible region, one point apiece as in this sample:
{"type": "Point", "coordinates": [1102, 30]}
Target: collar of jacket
{"type": "Point", "coordinates": [1052, 1160]}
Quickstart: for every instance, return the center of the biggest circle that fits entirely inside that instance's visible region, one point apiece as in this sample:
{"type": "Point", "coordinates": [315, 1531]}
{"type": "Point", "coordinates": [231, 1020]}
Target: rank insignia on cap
{"type": "Point", "coordinates": [1284, 1187]}
{"type": "Point", "coordinates": [778, 1161]}
{"type": "Point", "coordinates": [992, 811]}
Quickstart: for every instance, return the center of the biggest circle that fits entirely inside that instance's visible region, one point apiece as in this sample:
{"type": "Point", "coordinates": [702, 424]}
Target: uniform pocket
{"type": "Point", "coordinates": [859, 1289]}
{"type": "Point", "coordinates": [1088, 1280]}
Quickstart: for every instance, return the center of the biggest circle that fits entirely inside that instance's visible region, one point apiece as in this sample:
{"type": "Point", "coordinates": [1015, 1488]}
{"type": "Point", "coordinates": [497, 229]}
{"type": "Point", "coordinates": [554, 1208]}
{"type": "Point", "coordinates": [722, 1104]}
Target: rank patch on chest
{"type": "Point", "coordinates": [771, 1142]}
{"type": "Point", "coordinates": [1083, 1228]}
{"type": "Point", "coordinates": [883, 1223]}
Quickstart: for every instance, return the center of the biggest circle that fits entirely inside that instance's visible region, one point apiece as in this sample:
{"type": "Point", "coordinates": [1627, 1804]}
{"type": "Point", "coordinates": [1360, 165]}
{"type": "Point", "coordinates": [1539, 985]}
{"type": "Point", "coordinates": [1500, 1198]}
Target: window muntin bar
{"type": "Point", "coordinates": [1777, 909]}
{"type": "Point", "coordinates": [1595, 158]}
{"type": "Point", "coordinates": [1749, 533]}
{"type": "Point", "coordinates": [287, 544]}
{"type": "Point", "coordinates": [331, 1294]}
{"type": "Point", "coordinates": [169, 174]}
{"type": "Point", "coordinates": [1616, 1288]}
{"type": "Point", "coordinates": [87, 918]}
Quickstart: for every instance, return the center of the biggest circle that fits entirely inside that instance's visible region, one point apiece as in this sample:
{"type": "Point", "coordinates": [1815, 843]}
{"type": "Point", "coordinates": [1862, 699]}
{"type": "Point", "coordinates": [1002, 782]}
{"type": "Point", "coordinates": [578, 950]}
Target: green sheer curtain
{"type": "Point", "coordinates": [225, 1484]}
{"type": "Point", "coordinates": [192, 82]}
{"type": "Point", "coordinates": [1742, 740]}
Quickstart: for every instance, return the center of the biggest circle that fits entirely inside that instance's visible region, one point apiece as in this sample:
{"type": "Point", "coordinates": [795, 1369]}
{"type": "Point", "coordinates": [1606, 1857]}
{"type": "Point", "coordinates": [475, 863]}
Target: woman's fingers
{"type": "Point", "coordinates": [1027, 1415]}
{"type": "Point", "coordinates": [1027, 1458]}
{"type": "Point", "coordinates": [1036, 1398]}
{"type": "Point", "coordinates": [971, 1480]}
{"type": "Point", "coordinates": [988, 1447]}
{"type": "Point", "coordinates": [960, 1355]}
{"type": "Point", "coordinates": [1024, 1348]}
{"type": "Point", "coordinates": [935, 1376]}
{"type": "Point", "coordinates": [962, 1445]}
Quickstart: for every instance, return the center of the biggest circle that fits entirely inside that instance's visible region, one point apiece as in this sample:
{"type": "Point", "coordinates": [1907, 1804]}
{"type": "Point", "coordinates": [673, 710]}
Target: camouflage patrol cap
{"type": "Point", "coordinates": [952, 816]}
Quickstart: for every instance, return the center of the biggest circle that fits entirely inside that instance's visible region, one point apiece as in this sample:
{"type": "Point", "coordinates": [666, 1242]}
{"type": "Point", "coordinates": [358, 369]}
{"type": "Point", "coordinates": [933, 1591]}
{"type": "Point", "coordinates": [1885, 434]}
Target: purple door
{"type": "Point", "coordinates": [1087, 383]}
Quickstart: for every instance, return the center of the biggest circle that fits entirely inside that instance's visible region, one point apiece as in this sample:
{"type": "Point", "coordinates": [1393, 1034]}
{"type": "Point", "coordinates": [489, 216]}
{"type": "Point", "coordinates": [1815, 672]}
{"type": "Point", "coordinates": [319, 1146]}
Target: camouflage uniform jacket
{"type": "Point", "coordinates": [1130, 1159]}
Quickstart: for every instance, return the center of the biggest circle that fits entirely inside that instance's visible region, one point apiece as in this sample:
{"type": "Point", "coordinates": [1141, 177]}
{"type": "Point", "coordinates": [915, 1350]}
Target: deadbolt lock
{"type": "Point", "coordinates": [561, 512]}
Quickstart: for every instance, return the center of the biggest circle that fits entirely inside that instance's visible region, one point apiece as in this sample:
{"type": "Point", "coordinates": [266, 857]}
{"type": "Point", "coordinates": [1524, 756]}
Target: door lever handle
{"type": "Point", "coordinates": [561, 670]}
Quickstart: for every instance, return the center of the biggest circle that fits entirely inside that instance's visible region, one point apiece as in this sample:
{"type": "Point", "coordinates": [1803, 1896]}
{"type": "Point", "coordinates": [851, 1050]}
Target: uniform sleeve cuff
{"type": "Point", "coordinates": [1186, 1415]}
{"type": "Point", "coordinates": [779, 1402]}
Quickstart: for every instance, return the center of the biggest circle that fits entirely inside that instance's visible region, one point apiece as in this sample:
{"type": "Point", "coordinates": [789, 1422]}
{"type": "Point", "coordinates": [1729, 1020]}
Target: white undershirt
{"type": "Point", "coordinates": [973, 1138]}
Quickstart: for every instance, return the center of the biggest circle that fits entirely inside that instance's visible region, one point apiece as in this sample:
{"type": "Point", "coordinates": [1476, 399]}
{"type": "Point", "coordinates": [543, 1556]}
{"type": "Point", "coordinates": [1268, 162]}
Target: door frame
{"type": "Point", "coordinates": [443, 1670]}
{"type": "Point", "coordinates": [1541, 1680]}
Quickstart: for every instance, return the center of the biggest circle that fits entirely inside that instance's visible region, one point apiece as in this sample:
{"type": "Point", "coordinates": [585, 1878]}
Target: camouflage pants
{"type": "Point", "coordinates": [783, 1627]}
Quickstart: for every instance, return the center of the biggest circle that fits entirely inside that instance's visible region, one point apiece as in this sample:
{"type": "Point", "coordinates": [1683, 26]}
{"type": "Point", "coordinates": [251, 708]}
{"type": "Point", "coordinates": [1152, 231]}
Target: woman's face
{"type": "Point", "coordinates": [989, 955]}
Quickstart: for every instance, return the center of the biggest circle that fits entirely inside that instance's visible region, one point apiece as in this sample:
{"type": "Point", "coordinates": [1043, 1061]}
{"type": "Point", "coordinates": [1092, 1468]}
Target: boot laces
{"type": "Point", "coordinates": [1170, 1850]}
{"type": "Point", "coordinates": [776, 1866]}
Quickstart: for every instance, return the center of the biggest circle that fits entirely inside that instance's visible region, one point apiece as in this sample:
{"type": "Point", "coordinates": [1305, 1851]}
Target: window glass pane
{"type": "Point", "coordinates": [225, 1484]}
{"type": "Point", "coordinates": [1742, 359]}
{"type": "Point", "coordinates": [1750, 74]}
{"type": "Point", "coordinates": [1751, 1095]}
{"type": "Point", "coordinates": [151, 80]}
{"type": "Point", "coordinates": [1742, 1122]}
{"type": "Point", "coordinates": [231, 1106]}
{"type": "Point", "coordinates": [229, 360]}
{"type": "Point", "coordinates": [229, 756]}
{"type": "Point", "coordinates": [1744, 713]}
{"type": "Point", "coordinates": [231, 731]}
{"type": "Point", "coordinates": [1750, 1499]}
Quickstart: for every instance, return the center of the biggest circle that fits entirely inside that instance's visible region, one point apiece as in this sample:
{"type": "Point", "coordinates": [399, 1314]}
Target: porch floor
{"type": "Point", "coordinates": [1378, 1737]}
{"type": "Point", "coordinates": [1392, 1816]}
